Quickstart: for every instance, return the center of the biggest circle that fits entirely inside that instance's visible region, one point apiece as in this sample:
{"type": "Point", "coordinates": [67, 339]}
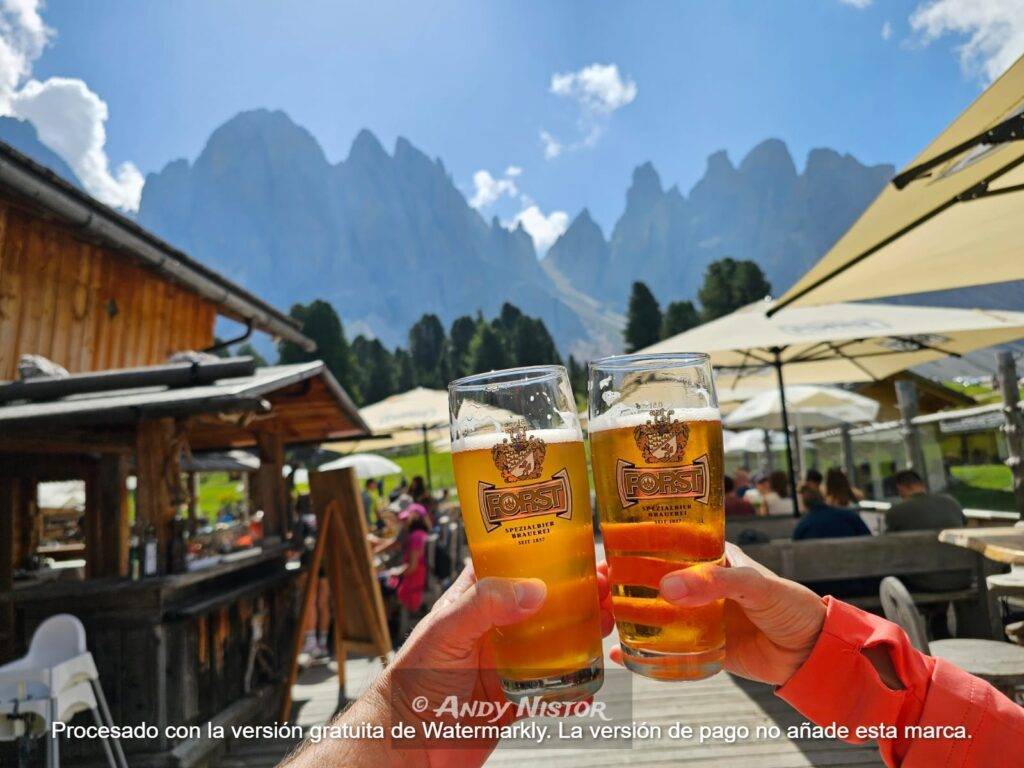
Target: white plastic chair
{"type": "Point", "coordinates": [53, 682]}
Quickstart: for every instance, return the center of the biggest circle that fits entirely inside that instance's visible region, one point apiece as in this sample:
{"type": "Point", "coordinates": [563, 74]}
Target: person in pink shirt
{"type": "Point", "coordinates": [832, 662]}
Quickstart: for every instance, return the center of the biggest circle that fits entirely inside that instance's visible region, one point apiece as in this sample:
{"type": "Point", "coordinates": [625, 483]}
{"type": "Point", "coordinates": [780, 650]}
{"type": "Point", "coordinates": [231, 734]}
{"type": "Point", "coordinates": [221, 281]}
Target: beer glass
{"type": "Point", "coordinates": [656, 449]}
{"type": "Point", "coordinates": [521, 473]}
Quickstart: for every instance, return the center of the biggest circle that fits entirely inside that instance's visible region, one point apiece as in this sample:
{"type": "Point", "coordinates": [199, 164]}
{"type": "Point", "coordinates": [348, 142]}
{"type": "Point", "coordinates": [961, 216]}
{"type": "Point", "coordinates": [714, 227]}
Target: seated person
{"type": "Point", "coordinates": [813, 478]}
{"type": "Point", "coordinates": [824, 522]}
{"type": "Point", "coordinates": [742, 478]}
{"type": "Point", "coordinates": [769, 494]}
{"type": "Point", "coordinates": [838, 491]}
{"type": "Point", "coordinates": [920, 510]}
{"type": "Point", "coordinates": [734, 505]}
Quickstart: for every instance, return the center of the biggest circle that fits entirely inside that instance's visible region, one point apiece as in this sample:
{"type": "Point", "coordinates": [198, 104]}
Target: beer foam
{"type": "Point", "coordinates": [488, 440]}
{"type": "Point", "coordinates": [619, 417]}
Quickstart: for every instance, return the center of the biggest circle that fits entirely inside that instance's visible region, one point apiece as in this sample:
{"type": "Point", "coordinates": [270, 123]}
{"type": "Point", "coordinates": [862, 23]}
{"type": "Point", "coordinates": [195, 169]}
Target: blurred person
{"type": "Point", "coordinates": [813, 478]}
{"type": "Point", "coordinates": [742, 479]}
{"type": "Point", "coordinates": [734, 505]}
{"type": "Point", "coordinates": [769, 494]}
{"type": "Point", "coordinates": [920, 510]}
{"type": "Point", "coordinates": [821, 521]}
{"type": "Point", "coordinates": [370, 509]}
{"type": "Point", "coordinates": [838, 490]}
{"type": "Point", "coordinates": [831, 662]}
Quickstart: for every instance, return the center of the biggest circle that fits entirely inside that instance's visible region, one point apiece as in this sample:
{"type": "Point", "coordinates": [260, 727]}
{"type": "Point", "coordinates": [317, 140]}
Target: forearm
{"type": "Point", "coordinates": [863, 672]}
{"type": "Point", "coordinates": [370, 713]}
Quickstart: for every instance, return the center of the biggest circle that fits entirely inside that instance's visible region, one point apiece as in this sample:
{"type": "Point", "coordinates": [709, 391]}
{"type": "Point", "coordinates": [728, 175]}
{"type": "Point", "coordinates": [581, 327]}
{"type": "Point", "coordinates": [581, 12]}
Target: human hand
{"type": "Point", "coordinates": [447, 655]}
{"type": "Point", "coordinates": [771, 623]}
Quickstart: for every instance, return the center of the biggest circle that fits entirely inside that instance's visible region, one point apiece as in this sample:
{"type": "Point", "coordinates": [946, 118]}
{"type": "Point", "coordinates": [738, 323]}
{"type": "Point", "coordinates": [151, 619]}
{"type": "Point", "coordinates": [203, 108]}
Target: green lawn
{"type": "Point", "coordinates": [215, 490]}
{"type": "Point", "coordinates": [983, 486]}
{"type": "Point", "coordinates": [412, 464]}
{"type": "Point", "coordinates": [981, 392]}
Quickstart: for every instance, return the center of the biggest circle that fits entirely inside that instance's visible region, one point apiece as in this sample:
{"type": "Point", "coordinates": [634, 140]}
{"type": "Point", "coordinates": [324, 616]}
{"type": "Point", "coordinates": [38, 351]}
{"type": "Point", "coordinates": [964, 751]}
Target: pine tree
{"type": "Point", "coordinates": [428, 349]}
{"type": "Point", "coordinates": [531, 344]}
{"type": "Point", "coordinates": [679, 316]}
{"type": "Point", "coordinates": [321, 323]}
{"type": "Point", "coordinates": [459, 337]}
{"type": "Point", "coordinates": [376, 367]}
{"type": "Point", "coordinates": [729, 285]}
{"type": "Point", "coordinates": [643, 319]}
{"type": "Point", "coordinates": [487, 350]}
{"type": "Point", "coordinates": [248, 350]}
{"type": "Point", "coordinates": [405, 378]}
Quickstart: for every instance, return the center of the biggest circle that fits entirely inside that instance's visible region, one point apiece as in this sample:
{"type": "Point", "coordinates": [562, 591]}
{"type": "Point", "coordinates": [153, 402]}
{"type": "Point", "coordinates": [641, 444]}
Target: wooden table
{"type": "Point", "coordinates": [1004, 545]}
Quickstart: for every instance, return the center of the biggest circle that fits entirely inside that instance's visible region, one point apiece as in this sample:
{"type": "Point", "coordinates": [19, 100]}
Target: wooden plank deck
{"type": "Point", "coordinates": [723, 700]}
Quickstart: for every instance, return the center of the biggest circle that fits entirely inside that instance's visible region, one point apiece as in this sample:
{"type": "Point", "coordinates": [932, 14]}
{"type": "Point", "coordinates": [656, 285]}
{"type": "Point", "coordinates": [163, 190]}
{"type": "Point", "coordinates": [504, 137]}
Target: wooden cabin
{"type": "Point", "coordinates": [91, 291]}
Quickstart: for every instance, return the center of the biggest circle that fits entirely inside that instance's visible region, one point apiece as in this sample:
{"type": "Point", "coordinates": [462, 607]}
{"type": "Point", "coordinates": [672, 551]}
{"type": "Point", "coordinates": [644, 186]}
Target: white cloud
{"type": "Point", "coordinates": [513, 170]}
{"type": "Point", "coordinates": [994, 30]}
{"type": "Point", "coordinates": [599, 88]}
{"type": "Point", "coordinates": [69, 118]}
{"type": "Point", "coordinates": [544, 230]}
{"type": "Point", "coordinates": [489, 189]}
{"type": "Point", "coordinates": [886, 30]}
{"type": "Point", "coordinates": [552, 146]}
{"type": "Point", "coordinates": [859, 4]}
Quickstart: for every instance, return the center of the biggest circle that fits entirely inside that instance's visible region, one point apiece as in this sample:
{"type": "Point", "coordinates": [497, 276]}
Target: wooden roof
{"type": "Point", "coordinates": [303, 402]}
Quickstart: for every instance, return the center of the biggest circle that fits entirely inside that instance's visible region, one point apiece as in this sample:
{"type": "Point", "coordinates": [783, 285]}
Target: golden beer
{"type": "Point", "coordinates": [659, 481]}
{"type": "Point", "coordinates": [526, 509]}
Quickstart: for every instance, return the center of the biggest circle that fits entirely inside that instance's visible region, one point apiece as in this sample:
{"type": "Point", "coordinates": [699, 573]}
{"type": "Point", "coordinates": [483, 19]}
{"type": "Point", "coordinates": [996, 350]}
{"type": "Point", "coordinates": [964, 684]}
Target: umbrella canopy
{"type": "Point", "coordinates": [419, 409]}
{"type": "Point", "coordinates": [838, 343]}
{"type": "Point", "coordinates": [365, 464]}
{"type": "Point", "coordinates": [810, 406]}
{"type": "Point", "coordinates": [415, 409]}
{"type": "Point", "coordinates": [751, 441]}
{"type": "Point", "coordinates": [950, 220]}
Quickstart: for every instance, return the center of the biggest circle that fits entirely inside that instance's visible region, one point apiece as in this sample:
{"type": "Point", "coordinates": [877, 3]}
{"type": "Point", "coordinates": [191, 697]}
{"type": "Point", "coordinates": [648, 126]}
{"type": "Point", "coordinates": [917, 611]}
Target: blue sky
{"type": "Point", "coordinates": [471, 82]}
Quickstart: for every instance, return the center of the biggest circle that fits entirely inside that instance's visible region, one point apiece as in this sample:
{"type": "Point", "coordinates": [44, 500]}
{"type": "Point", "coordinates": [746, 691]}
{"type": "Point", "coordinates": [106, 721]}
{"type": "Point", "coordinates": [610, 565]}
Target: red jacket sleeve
{"type": "Point", "coordinates": [943, 717]}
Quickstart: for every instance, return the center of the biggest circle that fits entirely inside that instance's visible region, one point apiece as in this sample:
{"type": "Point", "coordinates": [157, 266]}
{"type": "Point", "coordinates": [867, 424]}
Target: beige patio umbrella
{"type": "Point", "coordinates": [950, 220]}
{"type": "Point", "coordinates": [412, 417]}
{"type": "Point", "coordinates": [837, 343]}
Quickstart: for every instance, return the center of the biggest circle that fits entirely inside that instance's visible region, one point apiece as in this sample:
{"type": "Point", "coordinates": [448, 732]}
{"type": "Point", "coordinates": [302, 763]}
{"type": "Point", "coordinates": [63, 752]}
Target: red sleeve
{"type": "Point", "coordinates": [837, 684]}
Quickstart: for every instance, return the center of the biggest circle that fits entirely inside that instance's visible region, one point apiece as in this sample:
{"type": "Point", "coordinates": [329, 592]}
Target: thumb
{"type": "Point", "coordinates": [491, 602]}
{"type": "Point", "coordinates": [701, 584]}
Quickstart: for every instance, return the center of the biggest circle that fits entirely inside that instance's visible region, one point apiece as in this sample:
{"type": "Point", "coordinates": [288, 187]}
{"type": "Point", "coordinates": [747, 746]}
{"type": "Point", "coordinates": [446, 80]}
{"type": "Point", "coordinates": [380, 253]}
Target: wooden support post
{"type": "Point", "coordinates": [769, 462]}
{"type": "Point", "coordinates": [106, 518]}
{"type": "Point", "coordinates": [157, 470]}
{"type": "Point", "coordinates": [1013, 427]}
{"type": "Point", "coordinates": [906, 398]}
{"type": "Point", "coordinates": [270, 487]}
{"type": "Point", "coordinates": [193, 503]}
{"type": "Point", "coordinates": [846, 449]}
{"type": "Point", "coordinates": [12, 507]}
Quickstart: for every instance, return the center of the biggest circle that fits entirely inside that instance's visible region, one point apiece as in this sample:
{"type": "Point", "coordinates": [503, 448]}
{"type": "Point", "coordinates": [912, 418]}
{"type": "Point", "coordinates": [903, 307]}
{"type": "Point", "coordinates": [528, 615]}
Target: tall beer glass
{"type": "Point", "coordinates": [656, 448]}
{"type": "Point", "coordinates": [521, 472]}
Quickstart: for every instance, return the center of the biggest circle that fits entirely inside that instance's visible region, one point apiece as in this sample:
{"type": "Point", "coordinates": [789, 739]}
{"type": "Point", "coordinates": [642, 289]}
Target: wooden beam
{"type": "Point", "coordinates": [106, 519]}
{"type": "Point", "coordinates": [906, 397]}
{"type": "Point", "coordinates": [12, 504]}
{"type": "Point", "coordinates": [158, 489]}
{"type": "Point", "coordinates": [270, 491]}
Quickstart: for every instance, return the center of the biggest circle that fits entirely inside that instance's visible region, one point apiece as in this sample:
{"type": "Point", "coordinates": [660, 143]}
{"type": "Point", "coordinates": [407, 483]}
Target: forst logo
{"type": "Point", "coordinates": [518, 458]}
{"type": "Point", "coordinates": [662, 440]}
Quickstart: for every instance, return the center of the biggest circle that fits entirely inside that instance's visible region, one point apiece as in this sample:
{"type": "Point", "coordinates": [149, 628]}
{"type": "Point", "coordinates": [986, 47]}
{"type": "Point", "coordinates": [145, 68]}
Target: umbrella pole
{"type": "Point", "coordinates": [426, 458]}
{"type": "Point", "coordinates": [777, 351]}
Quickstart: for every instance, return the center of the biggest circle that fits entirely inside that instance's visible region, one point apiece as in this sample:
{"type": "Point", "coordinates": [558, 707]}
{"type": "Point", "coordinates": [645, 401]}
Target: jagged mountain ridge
{"type": "Point", "coordinates": [383, 237]}
{"type": "Point", "coordinates": [763, 209]}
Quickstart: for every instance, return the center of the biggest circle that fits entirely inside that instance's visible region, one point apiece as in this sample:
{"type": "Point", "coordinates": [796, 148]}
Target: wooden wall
{"type": "Point", "coordinates": [58, 295]}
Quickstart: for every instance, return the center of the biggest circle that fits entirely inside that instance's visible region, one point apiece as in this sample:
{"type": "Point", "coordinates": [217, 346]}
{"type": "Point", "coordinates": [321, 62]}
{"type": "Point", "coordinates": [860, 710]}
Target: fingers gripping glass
{"type": "Point", "coordinates": [656, 449]}
{"type": "Point", "coordinates": [521, 473]}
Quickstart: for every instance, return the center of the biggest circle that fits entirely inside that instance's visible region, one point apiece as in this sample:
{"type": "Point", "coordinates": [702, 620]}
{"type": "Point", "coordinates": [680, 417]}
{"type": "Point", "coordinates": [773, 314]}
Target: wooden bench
{"type": "Point", "coordinates": [895, 554]}
{"type": "Point", "coordinates": [770, 527]}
